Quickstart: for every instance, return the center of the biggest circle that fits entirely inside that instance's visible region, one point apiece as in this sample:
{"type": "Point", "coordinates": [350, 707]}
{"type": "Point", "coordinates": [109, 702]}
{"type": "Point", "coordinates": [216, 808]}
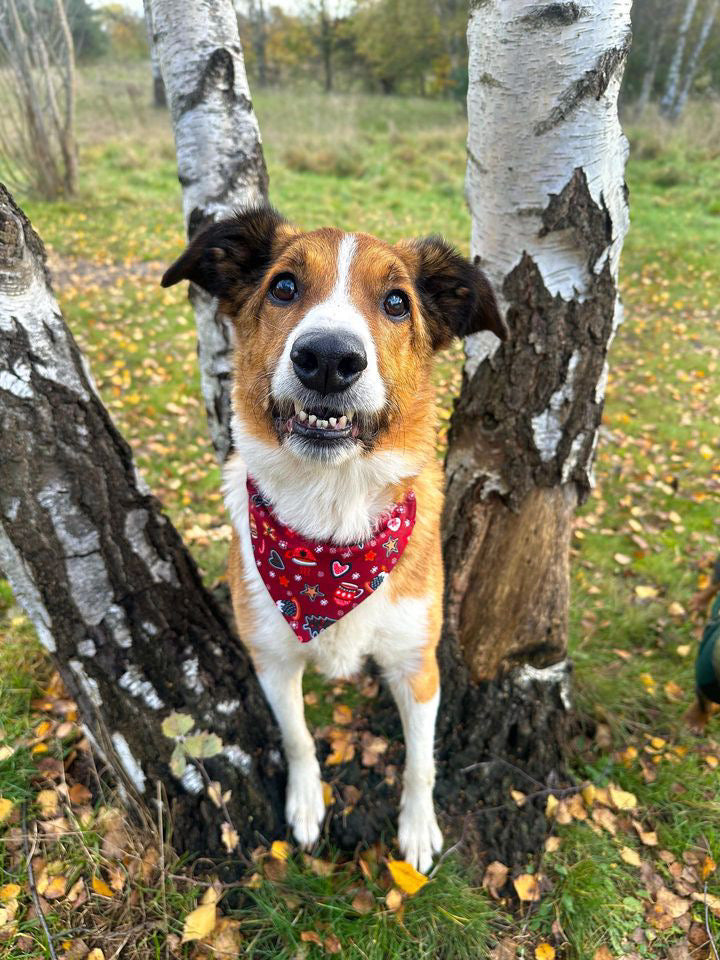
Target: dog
{"type": "Point", "coordinates": [707, 662]}
{"type": "Point", "coordinates": [334, 488]}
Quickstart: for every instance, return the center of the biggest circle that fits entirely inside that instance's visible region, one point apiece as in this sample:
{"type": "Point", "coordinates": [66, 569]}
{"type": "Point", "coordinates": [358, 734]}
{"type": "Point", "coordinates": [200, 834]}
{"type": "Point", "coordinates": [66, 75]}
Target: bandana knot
{"type": "Point", "coordinates": [315, 584]}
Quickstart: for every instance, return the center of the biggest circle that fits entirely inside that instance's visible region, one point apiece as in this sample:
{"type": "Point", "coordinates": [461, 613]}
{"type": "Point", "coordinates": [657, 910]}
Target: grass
{"type": "Point", "coordinates": [395, 167]}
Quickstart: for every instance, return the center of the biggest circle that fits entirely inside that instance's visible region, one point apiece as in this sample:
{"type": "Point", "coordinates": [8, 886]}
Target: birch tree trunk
{"type": "Point", "coordinates": [675, 68]}
{"type": "Point", "coordinates": [114, 595]}
{"type": "Point", "coordinates": [694, 58]}
{"type": "Point", "coordinates": [546, 189]}
{"type": "Point", "coordinates": [159, 97]}
{"type": "Point", "coordinates": [220, 160]}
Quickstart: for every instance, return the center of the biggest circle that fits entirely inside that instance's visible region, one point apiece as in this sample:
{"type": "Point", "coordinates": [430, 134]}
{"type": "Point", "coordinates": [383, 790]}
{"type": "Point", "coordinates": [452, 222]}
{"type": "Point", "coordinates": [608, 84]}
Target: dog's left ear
{"type": "Point", "coordinates": [229, 258]}
{"type": "Point", "coordinates": [456, 296]}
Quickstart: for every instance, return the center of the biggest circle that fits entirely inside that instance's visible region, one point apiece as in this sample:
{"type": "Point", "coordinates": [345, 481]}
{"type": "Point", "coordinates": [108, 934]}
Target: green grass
{"type": "Point", "coordinates": [395, 167]}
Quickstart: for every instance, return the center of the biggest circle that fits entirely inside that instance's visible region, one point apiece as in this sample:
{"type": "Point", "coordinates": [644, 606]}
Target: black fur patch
{"type": "Point", "coordinates": [456, 295]}
{"type": "Point", "coordinates": [229, 258]}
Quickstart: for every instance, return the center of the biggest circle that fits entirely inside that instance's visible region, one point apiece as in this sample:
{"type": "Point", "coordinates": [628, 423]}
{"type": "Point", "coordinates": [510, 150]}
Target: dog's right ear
{"type": "Point", "coordinates": [229, 258]}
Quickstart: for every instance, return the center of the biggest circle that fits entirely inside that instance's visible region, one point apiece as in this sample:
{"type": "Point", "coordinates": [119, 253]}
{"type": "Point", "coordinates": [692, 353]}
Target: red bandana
{"type": "Point", "coordinates": [316, 584]}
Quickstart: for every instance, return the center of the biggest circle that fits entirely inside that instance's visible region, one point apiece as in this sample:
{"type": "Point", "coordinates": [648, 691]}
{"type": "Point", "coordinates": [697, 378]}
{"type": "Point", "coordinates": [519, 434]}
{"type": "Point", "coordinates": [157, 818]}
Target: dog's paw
{"type": "Point", "coordinates": [305, 806]}
{"type": "Point", "coordinates": [418, 832]}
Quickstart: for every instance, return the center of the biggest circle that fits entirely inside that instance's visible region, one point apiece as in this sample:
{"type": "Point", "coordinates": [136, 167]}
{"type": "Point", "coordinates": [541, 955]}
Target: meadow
{"type": "Point", "coordinates": [629, 871]}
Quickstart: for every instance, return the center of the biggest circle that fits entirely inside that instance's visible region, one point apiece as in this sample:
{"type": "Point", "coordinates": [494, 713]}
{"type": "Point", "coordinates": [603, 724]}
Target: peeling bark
{"type": "Point", "coordinates": [116, 598]}
{"type": "Point", "coordinates": [220, 159]}
{"type": "Point", "coordinates": [549, 204]}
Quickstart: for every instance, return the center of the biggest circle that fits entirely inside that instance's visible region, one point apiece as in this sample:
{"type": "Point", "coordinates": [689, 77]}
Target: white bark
{"type": "Point", "coordinates": [545, 141]}
{"type": "Point", "coordinates": [694, 58]}
{"type": "Point", "coordinates": [673, 76]}
{"type": "Point", "coordinates": [219, 153]}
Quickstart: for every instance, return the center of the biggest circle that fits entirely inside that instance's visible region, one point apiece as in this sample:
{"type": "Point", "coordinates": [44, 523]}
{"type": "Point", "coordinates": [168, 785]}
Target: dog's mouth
{"type": "Point", "coordinates": [323, 425]}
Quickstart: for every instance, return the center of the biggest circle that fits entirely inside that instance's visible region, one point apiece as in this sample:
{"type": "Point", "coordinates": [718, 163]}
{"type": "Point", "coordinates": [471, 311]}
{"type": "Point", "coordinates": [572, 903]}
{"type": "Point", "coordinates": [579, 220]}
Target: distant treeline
{"type": "Point", "coordinates": [418, 46]}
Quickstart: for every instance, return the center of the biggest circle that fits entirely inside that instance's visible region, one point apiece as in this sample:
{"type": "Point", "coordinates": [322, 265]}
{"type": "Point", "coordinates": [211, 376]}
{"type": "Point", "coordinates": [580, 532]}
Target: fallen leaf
{"type": "Point", "coordinates": [342, 714]}
{"type": "Point", "coordinates": [328, 795]}
{"type": "Point", "coordinates": [527, 887]}
{"type": "Point", "coordinates": [393, 900]}
{"type": "Point", "coordinates": [363, 901]}
{"type": "Point", "coordinates": [495, 878]}
{"type": "Point", "coordinates": [229, 837]}
{"type": "Point", "coordinates": [200, 922]}
{"type": "Point", "coordinates": [621, 799]}
{"type": "Point", "coordinates": [47, 800]}
{"type": "Point", "coordinates": [406, 877]}
{"type": "Point", "coordinates": [96, 954]}
{"type": "Point", "coordinates": [622, 559]}
{"type": "Point", "coordinates": [606, 819]}
{"type": "Point", "coordinates": [5, 808]}
{"type": "Point", "coordinates": [673, 905]}
{"type": "Point", "coordinates": [79, 794]}
{"type": "Point", "coordinates": [602, 953]}
{"type": "Point", "coordinates": [280, 849]}
{"type": "Point", "coordinates": [630, 856]}
{"type": "Point", "coordinates": [648, 837]}
{"type": "Point", "coordinates": [544, 951]}
{"type": "Point", "coordinates": [309, 936]}
{"type": "Point", "coordinates": [332, 944]}
{"type": "Point", "coordinates": [100, 887]}
{"type": "Point", "coordinates": [646, 592]}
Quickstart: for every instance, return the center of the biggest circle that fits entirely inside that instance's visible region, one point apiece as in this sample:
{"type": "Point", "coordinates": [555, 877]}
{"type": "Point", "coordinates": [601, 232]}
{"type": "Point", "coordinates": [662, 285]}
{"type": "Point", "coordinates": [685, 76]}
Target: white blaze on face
{"type": "Point", "coordinates": [338, 314]}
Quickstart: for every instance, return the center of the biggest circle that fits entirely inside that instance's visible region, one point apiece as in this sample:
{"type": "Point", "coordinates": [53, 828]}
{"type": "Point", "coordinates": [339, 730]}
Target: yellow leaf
{"type": "Point", "coordinates": [683, 650]}
{"type": "Point", "coordinates": [52, 888]}
{"type": "Point", "coordinates": [602, 953]}
{"type": "Point", "coordinates": [406, 877]}
{"type": "Point", "coordinates": [588, 795]}
{"type": "Point", "coordinates": [673, 691]}
{"type": "Point", "coordinates": [544, 951]}
{"type": "Point", "coordinates": [676, 609]}
{"type": "Point", "coordinates": [519, 797]}
{"type": "Point", "coordinates": [621, 799]}
{"type": "Point", "coordinates": [527, 887]}
{"type": "Point", "coordinates": [96, 954]}
{"type": "Point", "coordinates": [342, 714]}
{"type": "Point", "coordinates": [630, 856]}
{"type": "Point", "coordinates": [342, 752]}
{"type": "Point", "coordinates": [646, 592]}
{"type": "Point", "coordinates": [708, 867]}
{"type": "Point", "coordinates": [200, 922]}
{"type": "Point", "coordinates": [5, 808]}
{"type": "Point", "coordinates": [229, 837]}
{"type": "Point", "coordinates": [280, 849]}
{"type": "Point", "coordinates": [622, 559]}
{"type": "Point", "coordinates": [393, 899]}
{"type": "Point", "coordinates": [551, 805]}
{"type": "Point", "coordinates": [47, 800]}
{"type": "Point", "coordinates": [100, 887]}
{"type": "Point", "coordinates": [328, 795]}
{"type": "Point", "coordinates": [11, 890]}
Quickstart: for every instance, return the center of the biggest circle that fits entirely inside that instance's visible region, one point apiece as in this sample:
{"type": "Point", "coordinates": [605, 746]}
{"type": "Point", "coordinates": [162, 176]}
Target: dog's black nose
{"type": "Point", "coordinates": [328, 362]}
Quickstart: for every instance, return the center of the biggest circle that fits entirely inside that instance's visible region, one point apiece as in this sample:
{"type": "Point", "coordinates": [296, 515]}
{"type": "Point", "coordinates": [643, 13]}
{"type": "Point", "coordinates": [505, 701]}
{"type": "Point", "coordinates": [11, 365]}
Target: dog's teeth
{"type": "Point", "coordinates": [302, 416]}
{"type": "Point", "coordinates": [333, 422]}
{"type": "Point", "coordinates": [323, 424]}
{"type": "Point", "coordinates": [312, 420]}
{"type": "Point", "coordinates": [342, 422]}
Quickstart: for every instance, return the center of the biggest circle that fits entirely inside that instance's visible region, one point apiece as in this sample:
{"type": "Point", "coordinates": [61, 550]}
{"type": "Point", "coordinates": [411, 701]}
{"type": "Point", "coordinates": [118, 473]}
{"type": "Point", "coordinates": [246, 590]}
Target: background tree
{"type": "Point", "coordinates": [220, 160]}
{"type": "Point", "coordinates": [674, 70]}
{"type": "Point", "coordinates": [548, 228]}
{"type": "Point", "coordinates": [38, 150]}
{"type": "Point", "coordinates": [708, 22]}
{"type": "Point", "coordinates": [159, 97]}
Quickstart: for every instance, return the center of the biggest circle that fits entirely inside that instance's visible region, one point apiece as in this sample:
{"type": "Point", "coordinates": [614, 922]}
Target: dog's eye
{"type": "Point", "coordinates": [284, 288]}
{"type": "Point", "coordinates": [396, 304]}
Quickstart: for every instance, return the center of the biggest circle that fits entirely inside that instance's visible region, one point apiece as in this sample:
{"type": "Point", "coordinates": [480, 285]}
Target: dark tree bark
{"type": "Point", "coordinates": [116, 598]}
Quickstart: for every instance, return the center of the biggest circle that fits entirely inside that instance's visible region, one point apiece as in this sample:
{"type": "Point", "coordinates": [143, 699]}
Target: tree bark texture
{"type": "Point", "coordinates": [546, 190]}
{"type": "Point", "coordinates": [220, 159]}
{"type": "Point", "coordinates": [159, 98]}
{"type": "Point", "coordinates": [674, 70]}
{"type": "Point", "coordinates": [115, 596]}
{"type": "Point", "coordinates": [691, 69]}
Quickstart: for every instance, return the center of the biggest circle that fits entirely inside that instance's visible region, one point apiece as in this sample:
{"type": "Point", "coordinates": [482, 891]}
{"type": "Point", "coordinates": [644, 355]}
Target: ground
{"type": "Point", "coordinates": [630, 865]}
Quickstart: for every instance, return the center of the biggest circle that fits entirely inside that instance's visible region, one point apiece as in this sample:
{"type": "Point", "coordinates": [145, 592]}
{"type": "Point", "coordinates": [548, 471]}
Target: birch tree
{"type": "Point", "coordinates": [674, 70]}
{"type": "Point", "coordinates": [220, 160]}
{"type": "Point", "coordinates": [708, 22]}
{"type": "Point", "coordinates": [165, 690]}
{"type": "Point", "coordinates": [546, 189]}
{"type": "Point", "coordinates": [159, 98]}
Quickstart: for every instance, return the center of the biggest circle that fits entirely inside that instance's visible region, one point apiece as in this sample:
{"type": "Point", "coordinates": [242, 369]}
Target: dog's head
{"type": "Point", "coordinates": [335, 332]}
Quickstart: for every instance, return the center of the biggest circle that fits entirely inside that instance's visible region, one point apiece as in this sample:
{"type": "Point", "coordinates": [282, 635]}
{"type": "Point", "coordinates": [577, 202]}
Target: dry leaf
{"type": "Point", "coordinates": [9, 891]}
{"type": "Point", "coordinates": [646, 592]}
{"type": "Point", "coordinates": [552, 844]}
{"type": "Point", "coordinates": [200, 922]}
{"type": "Point", "coordinates": [527, 887]}
{"type": "Point", "coordinates": [544, 951]}
{"type": "Point", "coordinates": [519, 797]}
{"type": "Point", "coordinates": [280, 849]}
{"type": "Point", "coordinates": [363, 901]}
{"type": "Point", "coordinates": [393, 899]}
{"type": "Point", "coordinates": [5, 808]}
{"type": "Point", "coordinates": [602, 953]}
{"type": "Point", "coordinates": [630, 856]}
{"type": "Point", "coordinates": [606, 819]}
{"type": "Point", "coordinates": [328, 795]}
{"type": "Point", "coordinates": [495, 878]}
{"type": "Point", "coordinates": [229, 837]}
{"type": "Point", "coordinates": [47, 800]}
{"type": "Point", "coordinates": [332, 944]}
{"type": "Point", "coordinates": [342, 752]}
{"type": "Point", "coordinates": [100, 887]}
{"type": "Point", "coordinates": [96, 954]}
{"type": "Point", "coordinates": [621, 799]}
{"type": "Point", "coordinates": [309, 936]}
{"type": "Point", "coordinates": [406, 877]}
{"type": "Point", "coordinates": [673, 905]}
{"type": "Point", "coordinates": [342, 714]}
{"type": "Point", "coordinates": [648, 837]}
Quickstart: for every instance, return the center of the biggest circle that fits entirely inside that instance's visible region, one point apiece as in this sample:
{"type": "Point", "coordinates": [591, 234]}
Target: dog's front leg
{"type": "Point", "coordinates": [304, 804]}
{"type": "Point", "coordinates": [418, 832]}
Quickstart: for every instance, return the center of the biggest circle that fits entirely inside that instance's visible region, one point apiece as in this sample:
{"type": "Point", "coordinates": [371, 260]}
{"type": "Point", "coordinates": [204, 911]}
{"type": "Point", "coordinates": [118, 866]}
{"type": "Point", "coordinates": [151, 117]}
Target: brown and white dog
{"type": "Point", "coordinates": [334, 421]}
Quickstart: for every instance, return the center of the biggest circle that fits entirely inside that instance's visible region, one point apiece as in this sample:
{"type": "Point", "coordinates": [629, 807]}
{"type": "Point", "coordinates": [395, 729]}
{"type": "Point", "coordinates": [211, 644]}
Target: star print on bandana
{"type": "Point", "coordinates": [348, 573]}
